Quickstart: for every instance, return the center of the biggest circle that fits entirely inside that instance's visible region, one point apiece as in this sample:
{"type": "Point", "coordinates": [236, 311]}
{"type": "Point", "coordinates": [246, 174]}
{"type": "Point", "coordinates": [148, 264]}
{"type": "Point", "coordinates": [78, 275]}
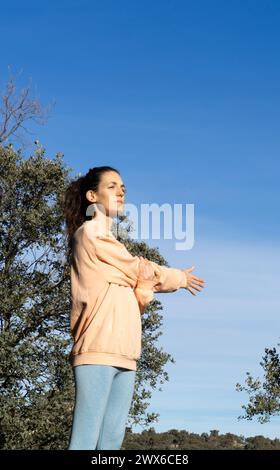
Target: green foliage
{"type": "Point", "coordinates": [264, 397]}
{"type": "Point", "coordinates": [36, 380]}
{"type": "Point", "coordinates": [182, 440]}
{"type": "Point", "coordinates": [37, 386]}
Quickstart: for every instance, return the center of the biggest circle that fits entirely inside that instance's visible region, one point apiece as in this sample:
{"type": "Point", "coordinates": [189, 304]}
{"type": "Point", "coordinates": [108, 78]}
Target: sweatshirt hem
{"type": "Point", "coordinates": [93, 357]}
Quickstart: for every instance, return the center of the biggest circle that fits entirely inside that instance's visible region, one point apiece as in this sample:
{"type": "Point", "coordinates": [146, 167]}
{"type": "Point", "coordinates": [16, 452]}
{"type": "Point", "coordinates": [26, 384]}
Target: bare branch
{"type": "Point", "coordinates": [16, 109]}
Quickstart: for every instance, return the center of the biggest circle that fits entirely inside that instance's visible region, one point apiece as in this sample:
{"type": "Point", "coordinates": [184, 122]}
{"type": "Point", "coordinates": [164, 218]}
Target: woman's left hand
{"type": "Point", "coordinates": [193, 282]}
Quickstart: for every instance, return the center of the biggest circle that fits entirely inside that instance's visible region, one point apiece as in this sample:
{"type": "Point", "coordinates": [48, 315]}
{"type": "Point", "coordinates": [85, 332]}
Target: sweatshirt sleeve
{"type": "Point", "coordinates": [165, 280]}
{"type": "Point", "coordinates": [111, 251]}
{"type": "Point", "coordinates": [168, 279]}
{"type": "Point", "coordinates": [114, 253]}
{"type": "Point", "coordinates": [144, 295]}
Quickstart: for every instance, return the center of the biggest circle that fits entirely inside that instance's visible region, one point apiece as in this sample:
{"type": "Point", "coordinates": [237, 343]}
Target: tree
{"type": "Point", "coordinates": [37, 387]}
{"type": "Point", "coordinates": [264, 397]}
{"type": "Point", "coordinates": [18, 108]}
{"type": "Point", "coordinates": [34, 286]}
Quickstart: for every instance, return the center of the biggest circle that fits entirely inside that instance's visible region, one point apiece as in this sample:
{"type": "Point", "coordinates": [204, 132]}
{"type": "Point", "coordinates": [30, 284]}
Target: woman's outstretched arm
{"type": "Point", "coordinates": [155, 278]}
{"type": "Point", "coordinates": [170, 279]}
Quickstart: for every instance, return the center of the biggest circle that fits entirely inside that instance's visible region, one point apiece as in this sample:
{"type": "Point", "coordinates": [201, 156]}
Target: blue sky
{"type": "Point", "coordinates": [183, 98]}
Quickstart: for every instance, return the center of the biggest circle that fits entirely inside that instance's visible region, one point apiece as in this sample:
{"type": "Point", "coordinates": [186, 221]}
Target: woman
{"type": "Point", "coordinates": [110, 289]}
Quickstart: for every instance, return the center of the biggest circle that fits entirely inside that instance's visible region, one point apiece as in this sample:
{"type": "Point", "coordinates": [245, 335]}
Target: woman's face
{"type": "Point", "coordinates": [110, 194]}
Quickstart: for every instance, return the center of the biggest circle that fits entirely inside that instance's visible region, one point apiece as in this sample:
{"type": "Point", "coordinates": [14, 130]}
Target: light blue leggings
{"type": "Point", "coordinates": [103, 398]}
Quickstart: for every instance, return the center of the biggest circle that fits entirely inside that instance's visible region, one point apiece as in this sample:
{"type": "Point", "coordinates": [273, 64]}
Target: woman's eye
{"type": "Point", "coordinates": [112, 187]}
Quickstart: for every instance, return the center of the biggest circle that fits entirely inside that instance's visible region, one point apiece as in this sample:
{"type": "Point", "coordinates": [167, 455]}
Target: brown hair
{"type": "Point", "coordinates": [75, 201]}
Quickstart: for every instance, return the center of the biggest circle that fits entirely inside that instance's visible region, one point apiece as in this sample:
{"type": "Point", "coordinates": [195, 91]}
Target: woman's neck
{"type": "Point", "coordinates": [104, 222]}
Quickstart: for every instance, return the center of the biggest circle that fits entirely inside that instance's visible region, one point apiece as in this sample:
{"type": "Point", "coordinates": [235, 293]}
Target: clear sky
{"type": "Point", "coordinates": [183, 98]}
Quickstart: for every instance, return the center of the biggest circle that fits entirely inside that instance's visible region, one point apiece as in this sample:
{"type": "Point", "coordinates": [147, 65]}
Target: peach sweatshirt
{"type": "Point", "coordinates": [108, 298]}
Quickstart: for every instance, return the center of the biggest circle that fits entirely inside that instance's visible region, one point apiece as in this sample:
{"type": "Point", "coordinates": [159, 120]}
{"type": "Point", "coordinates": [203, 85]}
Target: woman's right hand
{"type": "Point", "coordinates": [193, 282]}
{"type": "Point", "coordinates": [146, 270]}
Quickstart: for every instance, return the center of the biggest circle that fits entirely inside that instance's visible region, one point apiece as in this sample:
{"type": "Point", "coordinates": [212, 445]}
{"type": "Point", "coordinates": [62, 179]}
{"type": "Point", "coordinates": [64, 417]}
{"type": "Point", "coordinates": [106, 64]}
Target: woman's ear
{"type": "Point", "coordinates": [90, 196]}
